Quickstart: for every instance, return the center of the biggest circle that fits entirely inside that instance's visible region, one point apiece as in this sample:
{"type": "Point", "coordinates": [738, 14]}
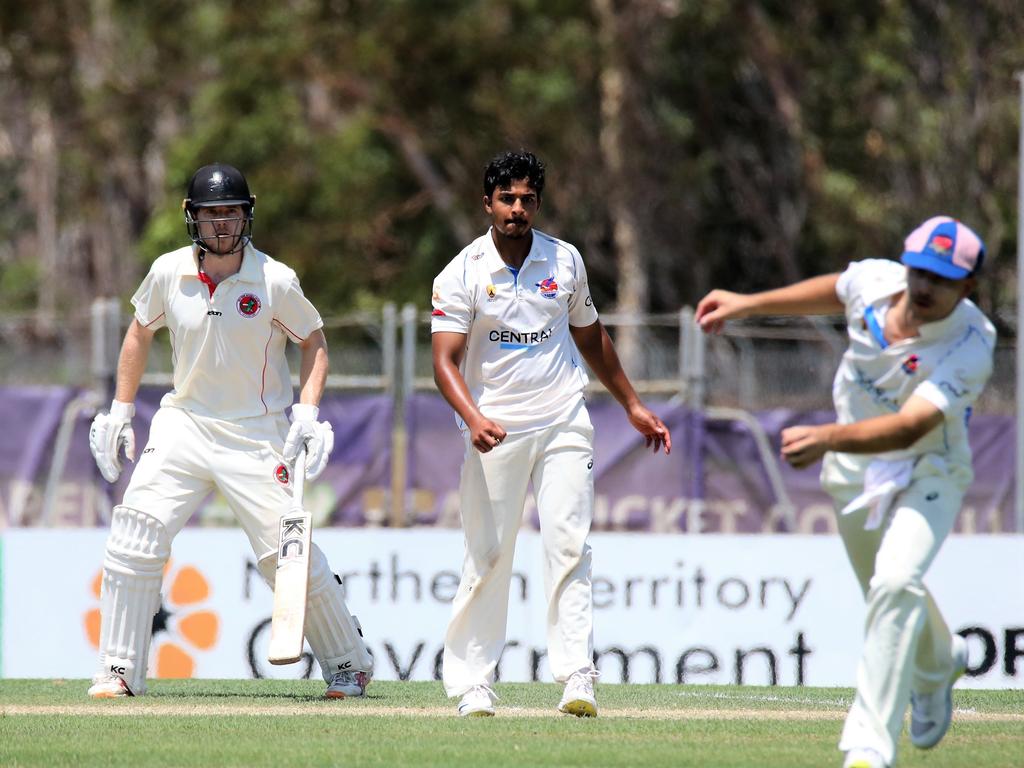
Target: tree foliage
{"type": "Point", "coordinates": [690, 144]}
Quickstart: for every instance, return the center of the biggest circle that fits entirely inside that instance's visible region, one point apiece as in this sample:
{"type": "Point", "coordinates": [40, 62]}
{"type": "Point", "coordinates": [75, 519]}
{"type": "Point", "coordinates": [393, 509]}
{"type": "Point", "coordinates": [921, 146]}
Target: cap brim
{"type": "Point", "coordinates": [930, 263]}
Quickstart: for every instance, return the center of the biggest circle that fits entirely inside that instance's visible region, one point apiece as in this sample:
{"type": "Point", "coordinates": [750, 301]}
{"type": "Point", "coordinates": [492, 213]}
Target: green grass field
{"type": "Point", "coordinates": [283, 724]}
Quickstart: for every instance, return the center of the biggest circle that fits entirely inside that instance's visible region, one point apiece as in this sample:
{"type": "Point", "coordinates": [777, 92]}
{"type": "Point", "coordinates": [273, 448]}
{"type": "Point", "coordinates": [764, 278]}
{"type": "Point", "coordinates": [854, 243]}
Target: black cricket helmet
{"type": "Point", "coordinates": [218, 184]}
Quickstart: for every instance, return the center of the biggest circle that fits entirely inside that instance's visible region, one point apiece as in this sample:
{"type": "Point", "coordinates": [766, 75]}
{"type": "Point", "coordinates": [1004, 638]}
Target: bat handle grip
{"type": "Point", "coordinates": [299, 478]}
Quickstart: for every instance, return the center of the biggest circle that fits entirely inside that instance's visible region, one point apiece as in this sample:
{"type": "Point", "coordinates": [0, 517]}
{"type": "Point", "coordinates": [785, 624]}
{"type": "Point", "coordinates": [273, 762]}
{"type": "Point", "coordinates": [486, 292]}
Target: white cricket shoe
{"type": "Point", "coordinates": [578, 698]}
{"type": "Point", "coordinates": [347, 684]}
{"type": "Point", "coordinates": [478, 701]}
{"type": "Point", "coordinates": [863, 758]}
{"type": "Point", "coordinates": [109, 687]}
{"type": "Point", "coordinates": [931, 713]}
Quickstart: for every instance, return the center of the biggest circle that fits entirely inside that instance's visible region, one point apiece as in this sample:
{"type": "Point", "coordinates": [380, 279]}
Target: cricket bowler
{"type": "Point", "coordinates": [896, 461]}
{"type": "Point", "coordinates": [512, 316]}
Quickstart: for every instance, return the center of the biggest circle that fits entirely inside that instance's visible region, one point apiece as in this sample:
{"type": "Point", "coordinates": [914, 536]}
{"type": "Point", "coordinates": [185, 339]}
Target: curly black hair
{"type": "Point", "coordinates": [513, 166]}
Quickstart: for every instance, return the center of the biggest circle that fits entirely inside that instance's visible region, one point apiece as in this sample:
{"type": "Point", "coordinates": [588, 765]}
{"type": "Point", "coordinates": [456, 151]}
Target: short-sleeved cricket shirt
{"type": "Point", "coordinates": [228, 348]}
{"type": "Point", "coordinates": [521, 365]}
{"type": "Point", "coordinates": [948, 364]}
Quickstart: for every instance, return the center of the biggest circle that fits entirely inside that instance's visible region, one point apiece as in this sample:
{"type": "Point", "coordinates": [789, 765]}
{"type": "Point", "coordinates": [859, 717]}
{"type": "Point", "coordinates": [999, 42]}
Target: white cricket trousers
{"type": "Point", "coordinates": [188, 456]}
{"type": "Point", "coordinates": [907, 644]}
{"type": "Point", "coordinates": [559, 461]}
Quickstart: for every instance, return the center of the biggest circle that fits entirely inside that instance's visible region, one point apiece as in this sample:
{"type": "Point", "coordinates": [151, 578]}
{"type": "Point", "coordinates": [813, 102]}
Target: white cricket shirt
{"type": "Point", "coordinates": [948, 365]}
{"type": "Point", "coordinates": [228, 348]}
{"type": "Point", "coordinates": [521, 365]}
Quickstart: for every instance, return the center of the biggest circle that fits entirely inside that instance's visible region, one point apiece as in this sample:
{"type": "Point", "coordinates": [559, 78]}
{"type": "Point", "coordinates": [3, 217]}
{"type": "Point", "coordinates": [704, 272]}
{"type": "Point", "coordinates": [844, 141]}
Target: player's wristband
{"type": "Point", "coordinates": [305, 412]}
{"type": "Point", "coordinates": [122, 411]}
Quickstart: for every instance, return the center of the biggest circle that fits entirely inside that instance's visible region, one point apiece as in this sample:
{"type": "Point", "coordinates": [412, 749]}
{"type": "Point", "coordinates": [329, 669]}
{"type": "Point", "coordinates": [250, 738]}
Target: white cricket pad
{"type": "Point", "coordinates": [137, 551]}
{"type": "Point", "coordinates": [333, 633]}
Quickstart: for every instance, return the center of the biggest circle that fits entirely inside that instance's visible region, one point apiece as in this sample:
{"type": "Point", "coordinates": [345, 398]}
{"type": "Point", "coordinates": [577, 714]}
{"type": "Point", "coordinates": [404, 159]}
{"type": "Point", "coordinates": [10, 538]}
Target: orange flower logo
{"type": "Point", "coordinates": [181, 627]}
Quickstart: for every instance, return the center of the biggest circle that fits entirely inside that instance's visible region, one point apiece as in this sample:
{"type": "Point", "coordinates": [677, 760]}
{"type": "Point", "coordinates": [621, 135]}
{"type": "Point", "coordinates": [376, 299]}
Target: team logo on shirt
{"type": "Point", "coordinates": [492, 292]}
{"type": "Point", "coordinates": [435, 298]}
{"type": "Point", "coordinates": [909, 365]}
{"type": "Point", "coordinates": [548, 287]}
{"type": "Point", "coordinates": [281, 474]}
{"type": "Point", "coordinates": [248, 305]}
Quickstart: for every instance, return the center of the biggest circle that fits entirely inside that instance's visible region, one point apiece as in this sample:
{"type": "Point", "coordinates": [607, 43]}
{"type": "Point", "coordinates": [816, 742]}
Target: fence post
{"type": "Point", "coordinates": [691, 359]}
{"type": "Point", "coordinates": [389, 341]}
{"type": "Point", "coordinates": [1019, 496]}
{"type": "Point", "coordinates": [400, 437]}
{"type": "Point", "coordinates": [105, 332]}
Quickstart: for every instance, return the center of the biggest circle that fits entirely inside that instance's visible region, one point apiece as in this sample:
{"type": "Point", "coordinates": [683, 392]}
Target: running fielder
{"type": "Point", "coordinates": [511, 315]}
{"type": "Point", "coordinates": [896, 462]}
{"type": "Point", "coordinates": [230, 310]}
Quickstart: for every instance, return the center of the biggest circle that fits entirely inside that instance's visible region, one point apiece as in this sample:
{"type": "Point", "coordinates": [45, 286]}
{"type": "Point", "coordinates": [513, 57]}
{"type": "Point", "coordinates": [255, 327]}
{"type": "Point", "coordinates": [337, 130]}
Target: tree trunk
{"type": "Point", "coordinates": [618, 90]}
{"type": "Point", "coordinates": [42, 183]}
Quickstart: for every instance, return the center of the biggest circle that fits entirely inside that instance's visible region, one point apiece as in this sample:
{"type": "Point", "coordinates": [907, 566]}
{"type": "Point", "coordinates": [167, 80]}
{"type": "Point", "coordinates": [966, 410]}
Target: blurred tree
{"type": "Point", "coordinates": [689, 144]}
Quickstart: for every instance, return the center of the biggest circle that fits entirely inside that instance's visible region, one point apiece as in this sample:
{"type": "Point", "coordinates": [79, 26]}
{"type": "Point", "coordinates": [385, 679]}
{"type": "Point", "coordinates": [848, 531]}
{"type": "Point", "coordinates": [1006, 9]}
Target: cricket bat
{"type": "Point", "coordinates": [287, 626]}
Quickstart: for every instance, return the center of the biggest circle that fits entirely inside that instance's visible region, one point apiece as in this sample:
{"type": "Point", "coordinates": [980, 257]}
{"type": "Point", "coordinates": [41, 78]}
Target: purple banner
{"type": "Point", "coordinates": [717, 479]}
{"type": "Point", "coordinates": [349, 492]}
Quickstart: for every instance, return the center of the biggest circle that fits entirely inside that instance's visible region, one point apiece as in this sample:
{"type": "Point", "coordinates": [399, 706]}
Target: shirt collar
{"type": "Point", "coordinates": [884, 291]}
{"type": "Point", "coordinates": [494, 261]}
{"type": "Point", "coordinates": [928, 331]}
{"type": "Point", "coordinates": [249, 272]}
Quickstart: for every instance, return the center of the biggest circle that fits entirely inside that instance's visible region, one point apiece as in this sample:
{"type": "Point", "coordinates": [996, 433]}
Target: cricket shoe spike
{"type": "Point", "coordinates": [347, 684]}
{"type": "Point", "coordinates": [863, 758]}
{"type": "Point", "coordinates": [478, 701]}
{"type": "Point", "coordinates": [579, 698]}
{"type": "Point", "coordinates": [109, 687]}
{"type": "Point", "coordinates": [931, 713]}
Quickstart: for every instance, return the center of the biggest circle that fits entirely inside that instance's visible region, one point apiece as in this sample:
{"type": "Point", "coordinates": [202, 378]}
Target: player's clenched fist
{"type": "Point", "coordinates": [486, 435]}
{"type": "Point", "coordinates": [108, 433]}
{"type": "Point", "coordinates": [317, 436]}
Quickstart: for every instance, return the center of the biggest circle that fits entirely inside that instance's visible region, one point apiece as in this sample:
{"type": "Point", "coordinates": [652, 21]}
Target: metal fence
{"type": "Point", "coordinates": [753, 366]}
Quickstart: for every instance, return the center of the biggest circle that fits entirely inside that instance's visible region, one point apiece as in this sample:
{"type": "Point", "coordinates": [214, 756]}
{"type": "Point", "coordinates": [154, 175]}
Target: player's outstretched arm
{"type": "Point", "coordinates": [803, 445]}
{"type": "Point", "coordinates": [597, 349]}
{"type": "Point", "coordinates": [447, 348]}
{"type": "Point", "coordinates": [815, 296]}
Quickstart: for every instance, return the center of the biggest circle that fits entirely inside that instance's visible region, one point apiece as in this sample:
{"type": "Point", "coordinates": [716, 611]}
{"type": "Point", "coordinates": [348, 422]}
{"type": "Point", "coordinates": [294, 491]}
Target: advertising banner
{"type": "Point", "coordinates": [715, 481]}
{"type": "Point", "coordinates": [672, 608]}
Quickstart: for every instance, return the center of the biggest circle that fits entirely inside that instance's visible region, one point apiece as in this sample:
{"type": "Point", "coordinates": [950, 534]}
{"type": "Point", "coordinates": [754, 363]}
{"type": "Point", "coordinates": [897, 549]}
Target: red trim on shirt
{"type": "Point", "coordinates": [205, 278]}
{"type": "Point", "coordinates": [263, 380]}
{"type": "Point", "coordinates": [153, 320]}
{"type": "Point", "coordinates": [289, 331]}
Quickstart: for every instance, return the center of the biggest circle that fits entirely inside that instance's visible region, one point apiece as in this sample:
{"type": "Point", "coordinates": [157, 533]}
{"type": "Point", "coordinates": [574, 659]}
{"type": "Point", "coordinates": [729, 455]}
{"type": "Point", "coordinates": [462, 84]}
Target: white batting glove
{"type": "Point", "coordinates": [317, 436]}
{"type": "Point", "coordinates": [108, 434]}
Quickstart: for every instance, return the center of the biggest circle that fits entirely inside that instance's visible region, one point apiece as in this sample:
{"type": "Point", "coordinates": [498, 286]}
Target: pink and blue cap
{"type": "Point", "coordinates": [944, 246]}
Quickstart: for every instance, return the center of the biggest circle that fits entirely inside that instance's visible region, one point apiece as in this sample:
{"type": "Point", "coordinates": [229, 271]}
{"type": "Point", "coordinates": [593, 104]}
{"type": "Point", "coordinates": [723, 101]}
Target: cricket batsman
{"type": "Point", "coordinates": [896, 461]}
{"type": "Point", "coordinates": [512, 313]}
{"type": "Point", "coordinates": [230, 311]}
